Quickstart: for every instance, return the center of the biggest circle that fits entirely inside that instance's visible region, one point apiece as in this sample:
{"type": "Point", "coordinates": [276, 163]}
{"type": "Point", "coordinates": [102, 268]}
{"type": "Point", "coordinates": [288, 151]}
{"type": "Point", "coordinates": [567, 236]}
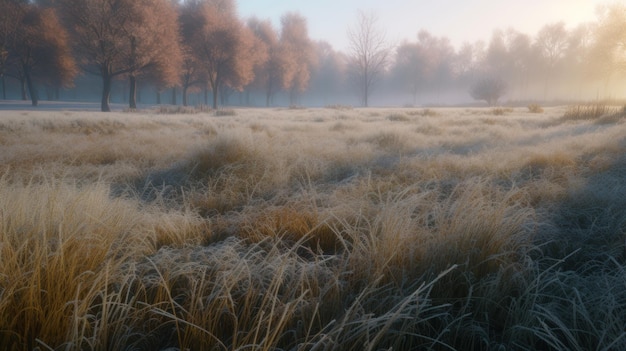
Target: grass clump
{"type": "Point", "coordinates": [589, 112]}
{"type": "Point", "coordinates": [500, 111]}
{"type": "Point", "coordinates": [398, 117]}
{"type": "Point", "coordinates": [339, 107]}
{"type": "Point", "coordinates": [427, 112]}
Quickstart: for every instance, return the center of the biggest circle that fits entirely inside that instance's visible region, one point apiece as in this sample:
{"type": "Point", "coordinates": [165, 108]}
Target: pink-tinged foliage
{"type": "Point", "coordinates": [218, 40]}
{"type": "Point", "coordinates": [124, 37]}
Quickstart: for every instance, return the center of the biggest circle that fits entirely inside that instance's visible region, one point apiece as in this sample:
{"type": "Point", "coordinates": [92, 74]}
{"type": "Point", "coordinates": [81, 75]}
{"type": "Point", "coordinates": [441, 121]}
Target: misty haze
{"type": "Point", "coordinates": [187, 53]}
{"type": "Point", "coordinates": [287, 175]}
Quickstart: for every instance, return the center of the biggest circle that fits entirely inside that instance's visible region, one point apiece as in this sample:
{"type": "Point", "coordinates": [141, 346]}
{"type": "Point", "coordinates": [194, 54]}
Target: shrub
{"type": "Point", "coordinates": [535, 108]}
{"type": "Point", "coordinates": [489, 90]}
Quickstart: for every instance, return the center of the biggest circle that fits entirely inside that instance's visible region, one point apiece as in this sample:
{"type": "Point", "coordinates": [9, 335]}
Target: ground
{"type": "Point", "coordinates": [322, 228]}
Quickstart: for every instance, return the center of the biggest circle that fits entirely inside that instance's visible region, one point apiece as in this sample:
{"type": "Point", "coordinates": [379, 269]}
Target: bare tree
{"type": "Point", "coordinates": [369, 53]}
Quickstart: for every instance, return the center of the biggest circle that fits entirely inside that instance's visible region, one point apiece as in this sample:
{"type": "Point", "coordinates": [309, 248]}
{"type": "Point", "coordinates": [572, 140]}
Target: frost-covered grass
{"type": "Point", "coordinates": [313, 229]}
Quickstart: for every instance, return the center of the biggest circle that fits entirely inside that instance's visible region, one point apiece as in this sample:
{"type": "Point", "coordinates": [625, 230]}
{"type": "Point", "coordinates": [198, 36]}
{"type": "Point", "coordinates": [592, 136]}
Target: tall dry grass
{"type": "Point", "coordinates": [312, 229]}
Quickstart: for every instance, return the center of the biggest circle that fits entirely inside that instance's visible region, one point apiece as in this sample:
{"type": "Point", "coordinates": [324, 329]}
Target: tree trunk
{"type": "Point", "coordinates": [23, 88]}
{"type": "Point", "coordinates": [158, 97]}
{"type": "Point", "coordinates": [215, 88]}
{"type": "Point", "coordinates": [132, 96]}
{"type": "Point", "coordinates": [174, 96]}
{"type": "Point", "coordinates": [366, 90]}
{"type": "Point", "coordinates": [4, 89]}
{"type": "Point", "coordinates": [365, 97]}
{"type": "Point", "coordinates": [292, 97]}
{"type": "Point", "coordinates": [31, 88]}
{"type": "Point", "coordinates": [106, 93]}
{"type": "Point", "coordinates": [185, 95]}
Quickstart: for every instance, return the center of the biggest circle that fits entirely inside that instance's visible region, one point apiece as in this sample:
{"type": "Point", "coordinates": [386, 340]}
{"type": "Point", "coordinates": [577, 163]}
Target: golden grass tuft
{"type": "Point", "coordinates": [296, 226]}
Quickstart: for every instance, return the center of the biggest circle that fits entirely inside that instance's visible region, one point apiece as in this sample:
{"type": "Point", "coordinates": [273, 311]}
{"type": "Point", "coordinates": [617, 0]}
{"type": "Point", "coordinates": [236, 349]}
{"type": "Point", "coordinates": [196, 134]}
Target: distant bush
{"type": "Point", "coordinates": [398, 117]}
{"type": "Point", "coordinates": [339, 107]}
{"type": "Point", "coordinates": [535, 108]}
{"type": "Point", "coordinates": [225, 112]}
{"type": "Point", "coordinates": [177, 109]}
{"type": "Point", "coordinates": [499, 111]}
{"type": "Point", "coordinates": [489, 90]}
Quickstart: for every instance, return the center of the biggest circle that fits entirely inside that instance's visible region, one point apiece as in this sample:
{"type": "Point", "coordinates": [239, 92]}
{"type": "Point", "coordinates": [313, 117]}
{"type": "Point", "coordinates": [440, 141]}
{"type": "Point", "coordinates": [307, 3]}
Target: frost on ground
{"type": "Point", "coordinates": [335, 229]}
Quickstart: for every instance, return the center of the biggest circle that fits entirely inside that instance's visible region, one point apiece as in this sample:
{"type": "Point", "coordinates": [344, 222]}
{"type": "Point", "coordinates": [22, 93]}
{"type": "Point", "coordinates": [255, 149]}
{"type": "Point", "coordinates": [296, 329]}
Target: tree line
{"type": "Point", "coordinates": [203, 46]}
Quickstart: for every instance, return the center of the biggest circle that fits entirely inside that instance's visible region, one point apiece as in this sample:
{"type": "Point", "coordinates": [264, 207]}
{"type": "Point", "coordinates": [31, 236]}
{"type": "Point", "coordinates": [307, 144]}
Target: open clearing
{"type": "Point", "coordinates": [313, 229]}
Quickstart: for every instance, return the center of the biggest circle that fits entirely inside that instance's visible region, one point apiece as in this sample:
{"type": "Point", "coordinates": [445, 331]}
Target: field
{"type": "Point", "coordinates": [313, 229]}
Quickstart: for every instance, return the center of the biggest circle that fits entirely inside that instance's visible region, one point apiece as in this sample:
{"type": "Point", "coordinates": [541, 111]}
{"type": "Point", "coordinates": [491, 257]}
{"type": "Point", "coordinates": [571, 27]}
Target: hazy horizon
{"type": "Point", "coordinates": [460, 21]}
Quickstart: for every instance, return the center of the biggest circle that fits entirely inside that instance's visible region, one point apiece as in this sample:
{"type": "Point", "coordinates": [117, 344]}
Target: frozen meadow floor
{"type": "Point", "coordinates": [321, 228]}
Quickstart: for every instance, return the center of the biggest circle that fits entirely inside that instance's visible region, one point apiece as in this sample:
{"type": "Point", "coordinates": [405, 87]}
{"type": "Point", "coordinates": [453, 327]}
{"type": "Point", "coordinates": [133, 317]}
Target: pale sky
{"type": "Point", "coordinates": [459, 20]}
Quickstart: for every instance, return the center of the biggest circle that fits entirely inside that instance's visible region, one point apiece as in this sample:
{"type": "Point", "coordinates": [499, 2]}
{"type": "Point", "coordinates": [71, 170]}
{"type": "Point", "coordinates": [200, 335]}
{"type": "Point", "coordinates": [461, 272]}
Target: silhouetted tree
{"type": "Point", "coordinates": [10, 14]}
{"type": "Point", "coordinates": [113, 38]}
{"type": "Point", "coordinates": [266, 46]}
{"type": "Point", "coordinates": [551, 43]}
{"type": "Point", "coordinates": [297, 48]}
{"type": "Point", "coordinates": [223, 45]}
{"type": "Point", "coordinates": [369, 53]}
{"type": "Point", "coordinates": [497, 55]}
{"type": "Point", "coordinates": [153, 45]}
{"type": "Point", "coordinates": [328, 77]}
{"type": "Point", "coordinates": [39, 51]}
{"type": "Point", "coordinates": [279, 68]}
{"type": "Point", "coordinates": [608, 51]}
{"type": "Point", "coordinates": [98, 29]}
{"type": "Point", "coordinates": [193, 74]}
{"type": "Point", "coordinates": [425, 64]}
{"type": "Point", "coordinates": [489, 90]}
{"type": "Point", "coordinates": [520, 60]}
{"type": "Point", "coordinates": [464, 64]}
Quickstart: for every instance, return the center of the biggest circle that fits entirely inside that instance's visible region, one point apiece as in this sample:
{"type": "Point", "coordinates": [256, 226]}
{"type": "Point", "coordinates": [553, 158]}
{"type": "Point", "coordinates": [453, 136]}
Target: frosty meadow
{"type": "Point", "coordinates": [313, 229]}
